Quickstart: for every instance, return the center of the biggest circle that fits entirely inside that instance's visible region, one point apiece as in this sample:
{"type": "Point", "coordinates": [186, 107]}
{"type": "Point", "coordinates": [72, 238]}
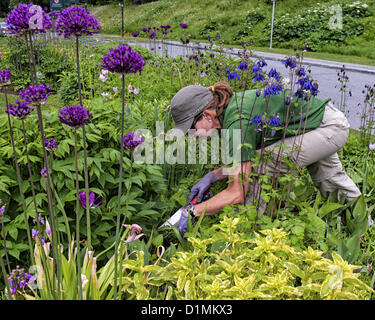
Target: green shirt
{"type": "Point", "coordinates": [257, 106]}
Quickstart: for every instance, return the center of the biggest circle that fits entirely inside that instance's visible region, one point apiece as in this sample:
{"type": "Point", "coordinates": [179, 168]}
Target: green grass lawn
{"type": "Point", "coordinates": [227, 18]}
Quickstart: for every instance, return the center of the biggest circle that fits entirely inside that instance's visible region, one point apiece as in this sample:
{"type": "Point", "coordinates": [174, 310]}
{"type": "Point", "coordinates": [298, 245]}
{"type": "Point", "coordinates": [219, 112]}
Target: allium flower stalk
{"type": "Point", "coordinates": [122, 60]}
{"type": "Point", "coordinates": [21, 113]}
{"type": "Point", "coordinates": [2, 210]}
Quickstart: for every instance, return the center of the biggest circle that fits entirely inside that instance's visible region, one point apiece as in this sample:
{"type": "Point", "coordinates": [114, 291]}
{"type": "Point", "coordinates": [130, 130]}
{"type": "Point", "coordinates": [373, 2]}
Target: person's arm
{"type": "Point", "coordinates": [235, 193]}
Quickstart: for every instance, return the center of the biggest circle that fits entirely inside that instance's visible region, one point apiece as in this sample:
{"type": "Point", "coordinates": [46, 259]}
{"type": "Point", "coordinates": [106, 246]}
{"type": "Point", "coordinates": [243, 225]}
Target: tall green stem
{"type": "Point", "coordinates": [84, 150]}
{"type": "Point", "coordinates": [20, 184]}
{"type": "Point", "coordinates": [119, 187]}
{"type": "Point", "coordinates": [30, 172]}
{"type": "Point", "coordinates": [77, 217]}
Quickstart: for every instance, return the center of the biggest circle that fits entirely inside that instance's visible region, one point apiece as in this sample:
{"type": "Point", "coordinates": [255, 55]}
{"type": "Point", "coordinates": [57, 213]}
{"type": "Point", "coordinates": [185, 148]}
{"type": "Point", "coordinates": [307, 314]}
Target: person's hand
{"type": "Point", "coordinates": [182, 224]}
{"type": "Point", "coordinates": [202, 186]}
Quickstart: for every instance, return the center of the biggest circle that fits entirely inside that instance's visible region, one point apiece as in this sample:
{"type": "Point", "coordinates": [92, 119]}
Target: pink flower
{"type": "Point", "coordinates": [115, 89]}
{"type": "Point", "coordinates": [134, 229]}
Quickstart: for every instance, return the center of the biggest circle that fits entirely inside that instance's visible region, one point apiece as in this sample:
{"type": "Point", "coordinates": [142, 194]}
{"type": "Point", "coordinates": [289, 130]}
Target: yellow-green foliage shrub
{"type": "Point", "coordinates": [231, 265]}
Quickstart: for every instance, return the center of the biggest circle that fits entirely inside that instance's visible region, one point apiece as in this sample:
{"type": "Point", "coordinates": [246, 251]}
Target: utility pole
{"type": "Point", "coordinates": [273, 15]}
{"type": "Point", "coordinates": [122, 17]}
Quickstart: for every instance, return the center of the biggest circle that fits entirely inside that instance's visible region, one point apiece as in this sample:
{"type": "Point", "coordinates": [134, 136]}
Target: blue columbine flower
{"type": "Point", "coordinates": [274, 122]}
{"type": "Point", "coordinates": [233, 76]}
{"type": "Point", "coordinates": [261, 63]}
{"type": "Point", "coordinates": [289, 62]}
{"type": "Point", "coordinates": [257, 71]}
{"type": "Point", "coordinates": [258, 122]}
{"type": "Point", "coordinates": [272, 90]}
{"type": "Point", "coordinates": [307, 85]}
{"type": "Point", "coordinates": [242, 66]}
{"type": "Point", "coordinates": [300, 72]}
{"type": "Point", "coordinates": [274, 74]}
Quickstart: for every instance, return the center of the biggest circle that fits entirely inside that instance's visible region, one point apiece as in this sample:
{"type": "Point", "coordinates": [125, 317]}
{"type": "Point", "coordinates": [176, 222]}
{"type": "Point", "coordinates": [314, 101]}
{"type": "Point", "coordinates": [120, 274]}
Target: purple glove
{"type": "Point", "coordinates": [182, 224]}
{"type": "Point", "coordinates": [202, 186]}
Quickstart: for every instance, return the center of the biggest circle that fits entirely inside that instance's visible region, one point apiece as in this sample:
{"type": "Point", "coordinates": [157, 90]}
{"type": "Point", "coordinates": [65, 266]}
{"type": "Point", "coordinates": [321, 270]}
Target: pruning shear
{"type": "Point", "coordinates": [184, 212]}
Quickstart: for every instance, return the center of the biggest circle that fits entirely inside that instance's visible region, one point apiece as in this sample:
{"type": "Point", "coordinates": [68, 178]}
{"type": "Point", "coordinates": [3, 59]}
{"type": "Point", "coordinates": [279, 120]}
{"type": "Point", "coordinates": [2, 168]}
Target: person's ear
{"type": "Point", "coordinates": [208, 115]}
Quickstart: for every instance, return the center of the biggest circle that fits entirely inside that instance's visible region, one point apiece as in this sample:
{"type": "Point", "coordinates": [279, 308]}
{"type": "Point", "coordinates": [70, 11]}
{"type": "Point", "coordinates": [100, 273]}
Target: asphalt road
{"type": "Point", "coordinates": [325, 72]}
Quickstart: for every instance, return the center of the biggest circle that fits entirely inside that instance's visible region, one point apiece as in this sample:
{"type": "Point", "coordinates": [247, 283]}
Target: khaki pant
{"type": "Point", "coordinates": [318, 154]}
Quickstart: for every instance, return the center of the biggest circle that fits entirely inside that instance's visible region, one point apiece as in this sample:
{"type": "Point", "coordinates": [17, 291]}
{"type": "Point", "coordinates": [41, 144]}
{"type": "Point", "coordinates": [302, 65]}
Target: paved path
{"type": "Point", "coordinates": [325, 72]}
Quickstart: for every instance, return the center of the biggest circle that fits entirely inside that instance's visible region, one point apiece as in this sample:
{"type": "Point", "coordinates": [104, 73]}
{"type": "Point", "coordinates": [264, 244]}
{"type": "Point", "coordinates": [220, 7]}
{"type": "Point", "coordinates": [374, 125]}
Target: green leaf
{"type": "Point", "coordinates": [328, 207]}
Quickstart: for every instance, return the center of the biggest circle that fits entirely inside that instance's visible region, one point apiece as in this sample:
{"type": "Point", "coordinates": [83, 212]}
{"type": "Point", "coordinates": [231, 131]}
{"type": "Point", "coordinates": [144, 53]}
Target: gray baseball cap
{"type": "Point", "coordinates": [188, 103]}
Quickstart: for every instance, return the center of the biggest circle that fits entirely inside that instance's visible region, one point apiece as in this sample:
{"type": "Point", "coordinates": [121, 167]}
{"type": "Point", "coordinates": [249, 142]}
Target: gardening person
{"type": "Point", "coordinates": [326, 130]}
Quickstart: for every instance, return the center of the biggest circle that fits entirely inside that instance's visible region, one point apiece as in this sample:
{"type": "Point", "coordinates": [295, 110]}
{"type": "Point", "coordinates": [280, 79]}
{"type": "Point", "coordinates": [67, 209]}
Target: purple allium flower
{"type": "Point", "coordinates": [54, 14]}
{"type": "Point", "coordinates": [92, 200]}
{"type": "Point", "coordinates": [74, 116]}
{"type": "Point", "coordinates": [34, 94]}
{"type": "Point", "coordinates": [4, 77]}
{"type": "Point", "coordinates": [50, 145]}
{"type": "Point", "coordinates": [76, 21]}
{"type": "Point", "coordinates": [20, 110]}
{"type": "Point", "coordinates": [44, 172]}
{"type": "Point", "coordinates": [26, 18]}
{"type": "Point", "coordinates": [135, 34]}
{"type": "Point", "coordinates": [123, 60]}
{"type": "Point", "coordinates": [183, 25]}
{"type": "Point", "coordinates": [131, 140]}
